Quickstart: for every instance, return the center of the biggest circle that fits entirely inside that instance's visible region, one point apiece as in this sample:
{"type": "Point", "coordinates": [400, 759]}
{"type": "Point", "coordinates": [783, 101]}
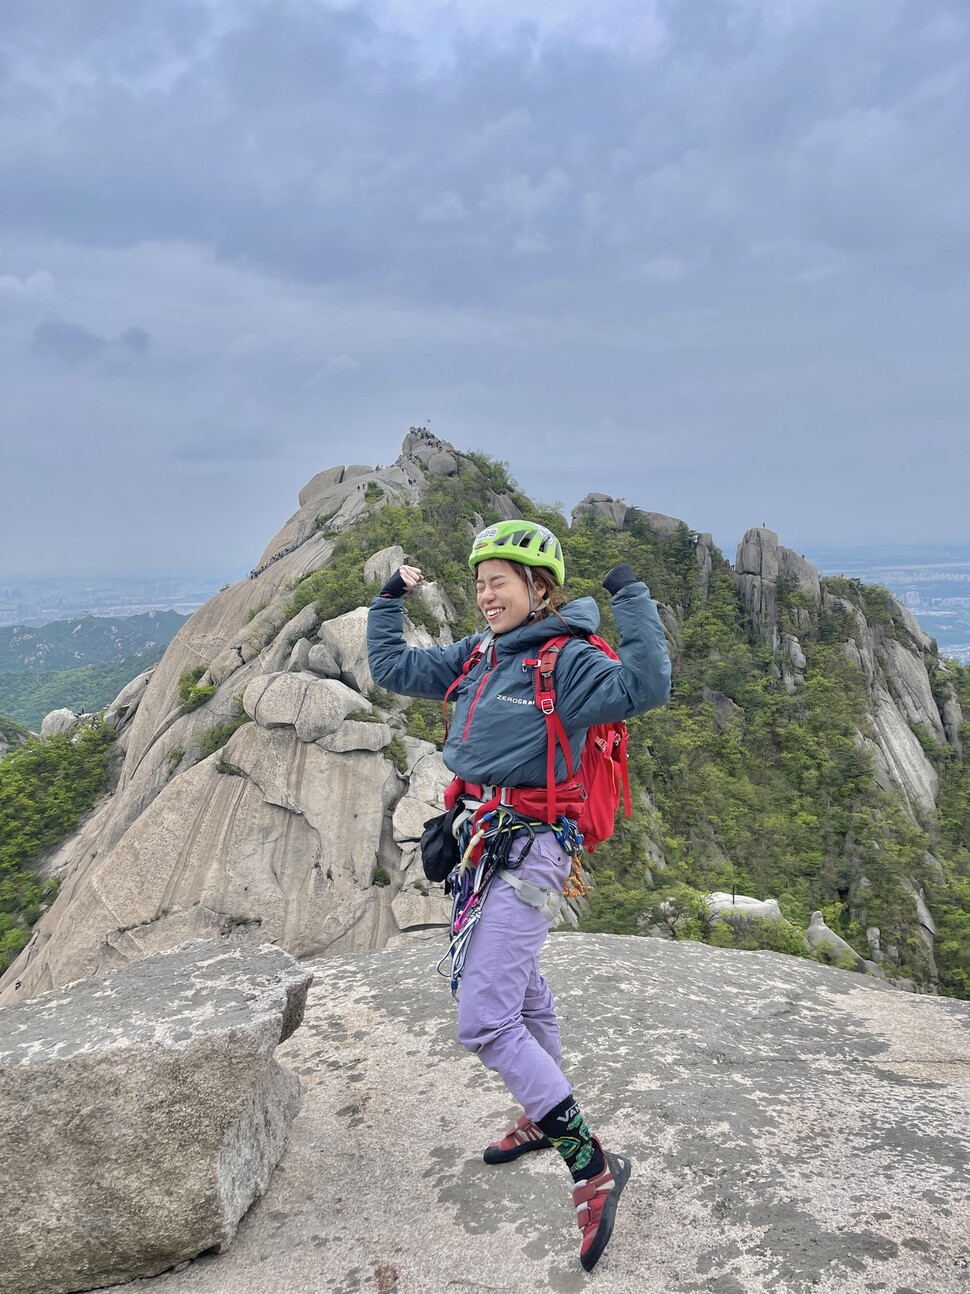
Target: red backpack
{"type": "Point", "coordinates": [603, 765]}
{"type": "Point", "coordinates": [592, 797]}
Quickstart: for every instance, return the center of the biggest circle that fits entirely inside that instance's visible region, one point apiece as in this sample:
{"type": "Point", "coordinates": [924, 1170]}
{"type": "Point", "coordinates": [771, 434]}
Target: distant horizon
{"type": "Point", "coordinates": [826, 547]}
{"type": "Point", "coordinates": [931, 577]}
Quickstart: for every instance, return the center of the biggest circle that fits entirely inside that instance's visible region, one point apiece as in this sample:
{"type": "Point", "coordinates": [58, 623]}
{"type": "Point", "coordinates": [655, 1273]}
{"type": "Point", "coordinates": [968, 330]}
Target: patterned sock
{"type": "Point", "coordinates": [566, 1128]}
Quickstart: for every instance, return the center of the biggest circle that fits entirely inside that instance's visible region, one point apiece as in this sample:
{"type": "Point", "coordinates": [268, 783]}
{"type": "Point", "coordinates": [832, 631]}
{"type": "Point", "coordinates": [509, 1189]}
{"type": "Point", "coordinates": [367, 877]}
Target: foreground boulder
{"type": "Point", "coordinates": [142, 1112]}
{"type": "Point", "coordinates": [793, 1129]}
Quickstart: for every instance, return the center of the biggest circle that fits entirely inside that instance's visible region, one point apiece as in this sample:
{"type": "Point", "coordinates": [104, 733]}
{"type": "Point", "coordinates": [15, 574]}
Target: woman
{"type": "Point", "coordinates": [497, 744]}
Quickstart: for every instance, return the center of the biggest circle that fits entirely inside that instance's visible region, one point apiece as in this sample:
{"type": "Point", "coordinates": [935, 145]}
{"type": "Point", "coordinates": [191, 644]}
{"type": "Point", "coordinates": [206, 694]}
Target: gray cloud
{"type": "Point", "coordinates": [66, 341]}
{"type": "Point", "coordinates": [135, 339]}
{"type": "Point", "coordinates": [743, 134]}
{"type": "Point", "coordinates": [57, 339]}
{"type": "Point", "coordinates": [724, 241]}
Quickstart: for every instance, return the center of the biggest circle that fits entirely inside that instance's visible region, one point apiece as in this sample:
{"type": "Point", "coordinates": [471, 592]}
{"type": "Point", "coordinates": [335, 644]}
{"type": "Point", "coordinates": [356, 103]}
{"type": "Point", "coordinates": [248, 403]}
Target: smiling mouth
{"type": "Point", "coordinates": [492, 612]}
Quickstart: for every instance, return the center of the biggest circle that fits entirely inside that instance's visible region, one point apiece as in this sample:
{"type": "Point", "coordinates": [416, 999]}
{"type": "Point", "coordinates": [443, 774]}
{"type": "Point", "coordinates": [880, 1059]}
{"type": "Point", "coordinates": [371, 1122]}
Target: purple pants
{"type": "Point", "coordinates": [506, 1014]}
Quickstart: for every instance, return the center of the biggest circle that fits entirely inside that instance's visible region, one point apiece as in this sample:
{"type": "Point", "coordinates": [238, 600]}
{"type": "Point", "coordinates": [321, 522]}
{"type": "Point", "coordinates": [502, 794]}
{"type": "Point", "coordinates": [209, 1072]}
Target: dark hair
{"type": "Point", "coordinates": [554, 590]}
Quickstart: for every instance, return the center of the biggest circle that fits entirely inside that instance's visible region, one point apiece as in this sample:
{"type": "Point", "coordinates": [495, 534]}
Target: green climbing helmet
{"type": "Point", "coordinates": [520, 541]}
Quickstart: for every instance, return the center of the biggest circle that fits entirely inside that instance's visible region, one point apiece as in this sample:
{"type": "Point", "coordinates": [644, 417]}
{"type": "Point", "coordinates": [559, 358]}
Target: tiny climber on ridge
{"type": "Point", "coordinates": [515, 861]}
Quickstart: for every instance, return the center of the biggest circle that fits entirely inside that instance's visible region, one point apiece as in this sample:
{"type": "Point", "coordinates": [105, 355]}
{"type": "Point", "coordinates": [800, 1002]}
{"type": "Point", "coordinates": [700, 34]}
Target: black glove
{"type": "Point", "coordinates": [618, 578]}
{"type": "Point", "coordinates": [395, 587]}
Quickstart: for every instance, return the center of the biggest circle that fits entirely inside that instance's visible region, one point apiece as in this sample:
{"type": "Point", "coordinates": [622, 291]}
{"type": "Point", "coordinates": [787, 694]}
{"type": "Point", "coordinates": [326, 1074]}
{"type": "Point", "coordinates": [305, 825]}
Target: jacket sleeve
{"type": "Point", "coordinates": [411, 671]}
{"type": "Point", "coordinates": [592, 688]}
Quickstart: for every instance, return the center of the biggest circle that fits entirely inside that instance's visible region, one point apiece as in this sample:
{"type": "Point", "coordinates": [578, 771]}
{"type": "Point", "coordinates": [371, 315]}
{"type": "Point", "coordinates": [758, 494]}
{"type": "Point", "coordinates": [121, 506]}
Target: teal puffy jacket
{"type": "Point", "coordinates": [497, 736]}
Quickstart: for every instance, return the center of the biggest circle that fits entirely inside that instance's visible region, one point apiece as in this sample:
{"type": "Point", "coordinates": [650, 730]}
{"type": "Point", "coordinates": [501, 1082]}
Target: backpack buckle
{"type": "Point", "coordinates": [546, 704]}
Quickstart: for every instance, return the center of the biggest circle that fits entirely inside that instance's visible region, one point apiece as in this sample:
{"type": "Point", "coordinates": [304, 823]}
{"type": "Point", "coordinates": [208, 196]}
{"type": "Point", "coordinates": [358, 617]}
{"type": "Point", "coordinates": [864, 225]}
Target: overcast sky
{"type": "Point", "coordinates": [709, 255]}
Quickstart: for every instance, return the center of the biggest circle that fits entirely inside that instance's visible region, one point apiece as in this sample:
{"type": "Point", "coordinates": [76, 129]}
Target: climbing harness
{"type": "Point", "coordinates": [486, 843]}
{"type": "Point", "coordinates": [486, 840]}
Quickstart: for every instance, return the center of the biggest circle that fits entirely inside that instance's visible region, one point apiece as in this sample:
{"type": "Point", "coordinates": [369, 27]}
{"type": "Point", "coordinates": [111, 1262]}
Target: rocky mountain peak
{"type": "Point", "coordinates": [760, 563]}
{"type": "Point", "coordinates": [266, 789]}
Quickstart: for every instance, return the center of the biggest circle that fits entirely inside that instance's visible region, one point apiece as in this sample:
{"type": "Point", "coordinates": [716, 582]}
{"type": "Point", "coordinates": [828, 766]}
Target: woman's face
{"type": "Point", "coordinates": [502, 594]}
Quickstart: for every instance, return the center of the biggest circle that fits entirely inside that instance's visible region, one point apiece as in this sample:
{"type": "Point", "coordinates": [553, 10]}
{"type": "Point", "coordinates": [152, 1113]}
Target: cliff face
{"type": "Point", "coordinates": [905, 714]}
{"type": "Point", "coordinates": [267, 790]}
{"type": "Point", "coordinates": [895, 658]}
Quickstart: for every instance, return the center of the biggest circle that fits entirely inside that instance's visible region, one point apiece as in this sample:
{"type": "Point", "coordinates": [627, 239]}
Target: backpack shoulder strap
{"type": "Point", "coordinates": [603, 645]}
{"type": "Point", "coordinates": [544, 675]}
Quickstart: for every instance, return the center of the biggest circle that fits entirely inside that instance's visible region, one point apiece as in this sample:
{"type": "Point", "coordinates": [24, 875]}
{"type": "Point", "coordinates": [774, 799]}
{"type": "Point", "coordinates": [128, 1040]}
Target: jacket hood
{"type": "Point", "coordinates": [582, 615]}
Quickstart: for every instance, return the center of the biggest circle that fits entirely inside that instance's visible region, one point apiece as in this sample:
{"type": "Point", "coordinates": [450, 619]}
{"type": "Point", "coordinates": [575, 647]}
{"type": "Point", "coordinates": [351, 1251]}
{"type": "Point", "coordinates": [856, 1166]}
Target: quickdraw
{"type": "Point", "coordinates": [571, 843]}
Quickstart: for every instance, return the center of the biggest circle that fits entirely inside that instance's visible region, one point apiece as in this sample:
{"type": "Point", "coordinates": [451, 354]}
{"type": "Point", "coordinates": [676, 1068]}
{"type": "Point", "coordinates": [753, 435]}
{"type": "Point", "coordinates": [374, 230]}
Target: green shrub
{"type": "Point", "coordinates": [423, 719]}
{"type": "Point", "coordinates": [878, 603]}
{"type": "Point", "coordinates": [380, 876]}
{"type": "Point", "coordinates": [192, 694]}
{"type": "Point", "coordinates": [736, 930]}
{"type": "Point", "coordinates": [838, 957]}
{"type": "Point", "coordinates": [212, 739]}
{"type": "Point", "coordinates": [496, 472]}
{"type": "Point", "coordinates": [396, 753]}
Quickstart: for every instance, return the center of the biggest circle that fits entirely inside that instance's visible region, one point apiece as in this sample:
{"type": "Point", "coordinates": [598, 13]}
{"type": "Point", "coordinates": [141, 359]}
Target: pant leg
{"type": "Point", "coordinates": [539, 1014]}
{"type": "Point", "coordinates": [501, 980]}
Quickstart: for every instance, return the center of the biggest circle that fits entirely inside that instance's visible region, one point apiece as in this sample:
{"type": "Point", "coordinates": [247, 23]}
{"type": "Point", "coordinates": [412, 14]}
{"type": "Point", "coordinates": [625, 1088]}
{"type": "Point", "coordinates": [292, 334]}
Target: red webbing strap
{"type": "Point", "coordinates": [556, 733]}
{"type": "Point", "coordinates": [476, 655]}
{"type": "Point", "coordinates": [455, 789]}
{"type": "Point", "coordinates": [545, 693]}
{"type": "Point", "coordinates": [625, 775]}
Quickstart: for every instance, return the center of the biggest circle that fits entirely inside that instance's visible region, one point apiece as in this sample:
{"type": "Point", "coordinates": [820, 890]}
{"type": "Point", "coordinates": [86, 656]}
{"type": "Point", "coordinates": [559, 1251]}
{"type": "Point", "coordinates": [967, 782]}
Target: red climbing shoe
{"type": "Point", "coordinates": [596, 1200]}
{"type": "Point", "coordinates": [519, 1140]}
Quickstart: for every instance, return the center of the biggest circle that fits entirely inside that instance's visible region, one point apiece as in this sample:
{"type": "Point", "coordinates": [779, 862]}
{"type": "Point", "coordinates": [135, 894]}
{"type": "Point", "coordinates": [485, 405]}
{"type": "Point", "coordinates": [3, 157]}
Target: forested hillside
{"type": "Point", "coordinates": [46, 786]}
{"type": "Point", "coordinates": [86, 640]}
{"type": "Point", "coordinates": [27, 695]}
